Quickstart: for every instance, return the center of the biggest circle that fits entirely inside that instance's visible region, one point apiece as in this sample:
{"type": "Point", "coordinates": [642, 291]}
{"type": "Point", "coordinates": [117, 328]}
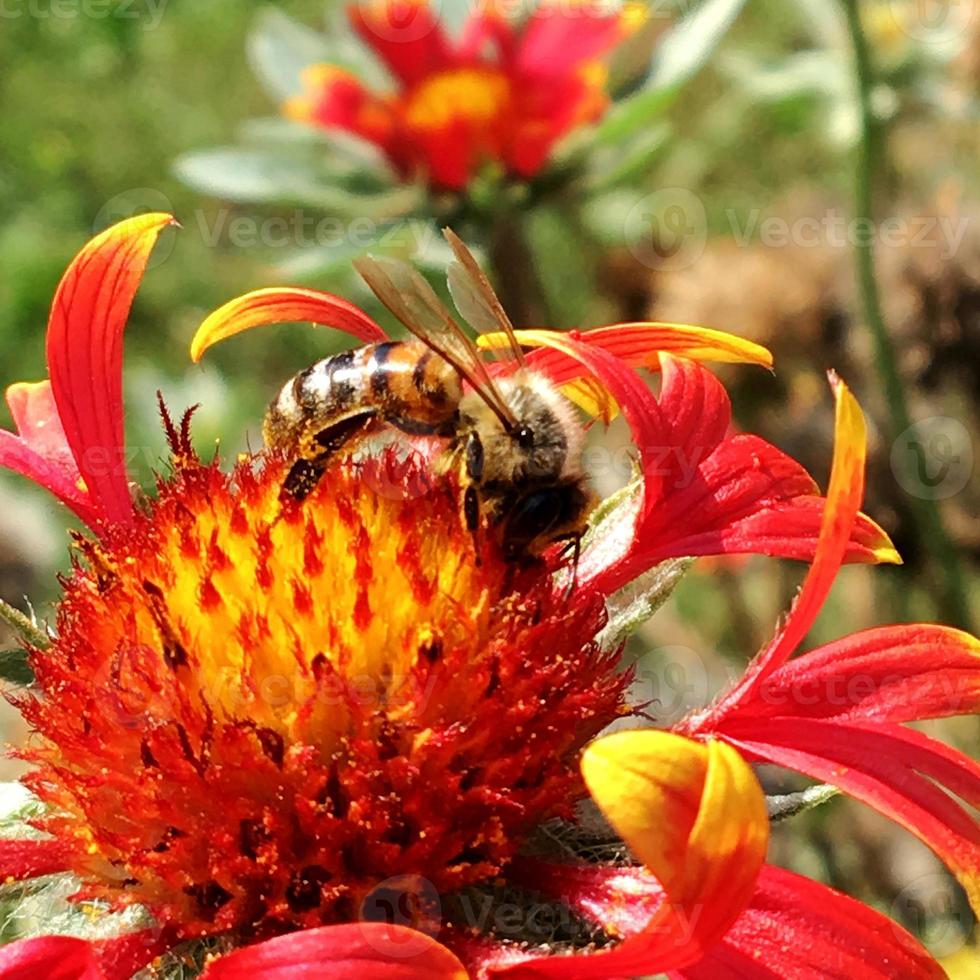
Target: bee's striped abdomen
{"type": "Point", "coordinates": [401, 382]}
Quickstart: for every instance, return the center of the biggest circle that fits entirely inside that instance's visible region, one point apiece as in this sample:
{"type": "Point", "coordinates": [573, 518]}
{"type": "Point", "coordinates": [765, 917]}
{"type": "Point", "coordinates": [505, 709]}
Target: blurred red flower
{"type": "Point", "coordinates": [501, 92]}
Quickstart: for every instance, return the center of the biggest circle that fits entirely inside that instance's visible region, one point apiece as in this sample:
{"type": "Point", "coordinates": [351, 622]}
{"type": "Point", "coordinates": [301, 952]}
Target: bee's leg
{"type": "Point", "coordinates": [305, 473]}
{"type": "Point", "coordinates": [573, 545]}
{"type": "Point", "coordinates": [302, 478]}
{"type": "Point", "coordinates": [474, 457]}
{"type": "Point", "coordinates": [471, 515]}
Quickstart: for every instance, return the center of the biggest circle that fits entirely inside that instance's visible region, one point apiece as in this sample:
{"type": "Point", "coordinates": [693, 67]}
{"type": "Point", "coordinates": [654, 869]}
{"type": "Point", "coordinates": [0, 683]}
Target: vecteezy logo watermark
{"type": "Point", "coordinates": [129, 204]}
{"type": "Point", "coordinates": [933, 459]}
{"type": "Point", "coordinates": [149, 12]}
{"type": "Point", "coordinates": [668, 229]}
{"type": "Point", "coordinates": [931, 909]}
{"type": "Point", "coordinates": [670, 682]}
{"type": "Point", "coordinates": [934, 21]}
{"type": "Point", "coordinates": [412, 905]}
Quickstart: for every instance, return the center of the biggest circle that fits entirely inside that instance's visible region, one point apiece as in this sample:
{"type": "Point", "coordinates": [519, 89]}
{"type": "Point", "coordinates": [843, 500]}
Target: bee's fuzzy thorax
{"type": "Point", "coordinates": [557, 433]}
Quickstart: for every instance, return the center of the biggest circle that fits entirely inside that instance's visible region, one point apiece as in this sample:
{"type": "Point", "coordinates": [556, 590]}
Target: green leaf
{"type": "Point", "coordinates": [630, 163]}
{"type": "Point", "coordinates": [15, 668]}
{"type": "Point", "coordinates": [279, 48]}
{"type": "Point", "coordinates": [453, 14]}
{"type": "Point", "coordinates": [682, 51]}
{"type": "Point", "coordinates": [267, 175]}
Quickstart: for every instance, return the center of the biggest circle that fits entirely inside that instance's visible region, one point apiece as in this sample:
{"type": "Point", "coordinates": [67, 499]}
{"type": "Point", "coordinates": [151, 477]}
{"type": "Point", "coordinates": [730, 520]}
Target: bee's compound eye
{"type": "Point", "coordinates": [524, 436]}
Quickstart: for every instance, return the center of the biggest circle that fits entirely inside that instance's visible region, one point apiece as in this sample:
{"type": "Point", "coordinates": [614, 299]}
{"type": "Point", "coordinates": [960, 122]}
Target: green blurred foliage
{"type": "Point", "coordinates": [94, 111]}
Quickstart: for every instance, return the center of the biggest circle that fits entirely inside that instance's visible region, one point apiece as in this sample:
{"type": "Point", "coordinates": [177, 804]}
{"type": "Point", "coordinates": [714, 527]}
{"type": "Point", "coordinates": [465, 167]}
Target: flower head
{"type": "Point", "coordinates": [256, 713]}
{"type": "Point", "coordinates": [297, 706]}
{"type": "Point", "coordinates": [499, 93]}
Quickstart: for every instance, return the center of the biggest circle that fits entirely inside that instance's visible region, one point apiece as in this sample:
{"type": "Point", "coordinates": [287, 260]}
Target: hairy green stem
{"type": "Point", "coordinates": [929, 525]}
{"type": "Point", "coordinates": [24, 626]}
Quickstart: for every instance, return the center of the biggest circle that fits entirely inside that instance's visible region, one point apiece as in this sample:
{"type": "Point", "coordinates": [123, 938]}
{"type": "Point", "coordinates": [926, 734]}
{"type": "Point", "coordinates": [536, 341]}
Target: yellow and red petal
{"type": "Point", "coordinates": [844, 496]}
{"type": "Point", "coordinates": [405, 34]}
{"type": "Point", "coordinates": [85, 350]}
{"type": "Point", "coordinates": [40, 449]}
{"type": "Point", "coordinates": [335, 98]}
{"type": "Point", "coordinates": [353, 951]}
{"type": "Point", "coordinates": [910, 672]}
{"type": "Point", "coordinates": [703, 494]}
{"type": "Point", "coordinates": [283, 305]}
{"type": "Point", "coordinates": [904, 774]}
{"type": "Point", "coordinates": [695, 815]}
{"type": "Point", "coordinates": [638, 345]}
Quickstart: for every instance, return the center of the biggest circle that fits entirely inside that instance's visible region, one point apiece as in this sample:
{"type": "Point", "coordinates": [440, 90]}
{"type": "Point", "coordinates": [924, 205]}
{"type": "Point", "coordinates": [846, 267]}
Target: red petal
{"type": "Point", "coordinates": [84, 347]}
{"type": "Point", "coordinates": [703, 511]}
{"type": "Point", "coordinates": [449, 151]}
{"type": "Point", "coordinates": [405, 34]}
{"type": "Point", "coordinates": [16, 455]}
{"type": "Point", "coordinates": [791, 924]}
{"type": "Point", "coordinates": [50, 958]}
{"type": "Point", "coordinates": [20, 859]}
{"type": "Point", "coordinates": [486, 27]}
{"type": "Point", "coordinates": [348, 952]}
{"type": "Point", "coordinates": [124, 955]}
{"type": "Point", "coordinates": [891, 674]}
{"type": "Point", "coordinates": [549, 109]}
{"type": "Point", "coordinates": [796, 929]}
{"type": "Point", "coordinates": [621, 900]}
{"type": "Point", "coordinates": [557, 41]}
{"type": "Point", "coordinates": [893, 769]}
{"type": "Point", "coordinates": [40, 450]}
{"type": "Point", "coordinates": [792, 530]}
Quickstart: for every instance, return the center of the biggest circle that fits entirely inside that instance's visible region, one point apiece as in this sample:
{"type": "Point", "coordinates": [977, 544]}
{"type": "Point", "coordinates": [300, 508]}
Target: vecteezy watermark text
{"type": "Point", "coordinates": [305, 229]}
{"type": "Point", "coordinates": [150, 12]}
{"type": "Point", "coordinates": [837, 231]}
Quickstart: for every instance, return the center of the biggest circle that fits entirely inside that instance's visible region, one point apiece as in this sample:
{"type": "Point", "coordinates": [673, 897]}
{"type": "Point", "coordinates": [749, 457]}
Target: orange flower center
{"type": "Point", "coordinates": [476, 97]}
{"type": "Point", "coordinates": [255, 714]}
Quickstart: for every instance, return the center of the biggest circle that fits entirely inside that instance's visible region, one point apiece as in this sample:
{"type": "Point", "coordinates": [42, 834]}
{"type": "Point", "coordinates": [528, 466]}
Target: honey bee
{"type": "Point", "coordinates": [514, 440]}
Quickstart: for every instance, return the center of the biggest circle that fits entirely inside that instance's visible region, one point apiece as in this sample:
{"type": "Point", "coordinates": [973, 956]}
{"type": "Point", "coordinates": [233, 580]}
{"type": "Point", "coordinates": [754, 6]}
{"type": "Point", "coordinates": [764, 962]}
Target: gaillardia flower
{"type": "Point", "coordinates": [499, 93]}
{"type": "Point", "coordinates": [323, 721]}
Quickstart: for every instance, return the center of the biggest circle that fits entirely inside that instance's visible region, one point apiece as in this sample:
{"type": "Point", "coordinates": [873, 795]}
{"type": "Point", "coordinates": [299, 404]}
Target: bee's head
{"type": "Point", "coordinates": [543, 444]}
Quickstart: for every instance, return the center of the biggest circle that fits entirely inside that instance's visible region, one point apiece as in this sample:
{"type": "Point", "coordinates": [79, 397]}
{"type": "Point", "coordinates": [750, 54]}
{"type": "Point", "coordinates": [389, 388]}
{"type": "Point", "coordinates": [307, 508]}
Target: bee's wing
{"type": "Point", "coordinates": [474, 297]}
{"type": "Point", "coordinates": [404, 291]}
